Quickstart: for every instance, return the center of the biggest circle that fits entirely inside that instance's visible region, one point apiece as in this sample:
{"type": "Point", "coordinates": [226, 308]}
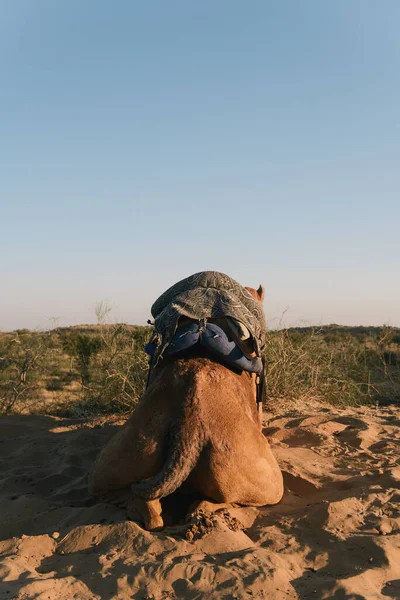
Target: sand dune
{"type": "Point", "coordinates": [336, 533]}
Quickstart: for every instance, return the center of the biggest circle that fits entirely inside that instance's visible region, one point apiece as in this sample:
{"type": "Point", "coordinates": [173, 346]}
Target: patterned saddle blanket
{"type": "Point", "coordinates": [204, 297]}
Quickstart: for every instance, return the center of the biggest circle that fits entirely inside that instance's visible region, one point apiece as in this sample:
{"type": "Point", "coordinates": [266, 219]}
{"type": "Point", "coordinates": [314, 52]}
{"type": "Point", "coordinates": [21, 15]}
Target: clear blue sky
{"type": "Point", "coordinates": [141, 142]}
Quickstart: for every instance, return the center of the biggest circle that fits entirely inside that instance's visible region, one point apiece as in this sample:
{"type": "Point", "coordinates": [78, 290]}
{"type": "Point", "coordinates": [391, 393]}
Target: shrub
{"type": "Point", "coordinates": [107, 370]}
{"type": "Point", "coordinates": [82, 347]}
{"type": "Point", "coordinates": [22, 360]}
{"type": "Point", "coordinates": [119, 371]}
{"type": "Point", "coordinates": [337, 369]}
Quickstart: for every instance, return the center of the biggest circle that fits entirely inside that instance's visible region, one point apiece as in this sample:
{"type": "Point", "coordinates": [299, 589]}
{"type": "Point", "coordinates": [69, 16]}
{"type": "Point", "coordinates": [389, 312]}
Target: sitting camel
{"type": "Point", "coordinates": [196, 429]}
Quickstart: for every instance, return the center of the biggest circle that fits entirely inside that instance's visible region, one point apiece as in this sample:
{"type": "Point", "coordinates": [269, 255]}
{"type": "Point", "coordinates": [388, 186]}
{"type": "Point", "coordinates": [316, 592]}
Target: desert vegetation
{"type": "Point", "coordinates": [102, 369]}
{"type": "Point", "coordinates": [345, 366]}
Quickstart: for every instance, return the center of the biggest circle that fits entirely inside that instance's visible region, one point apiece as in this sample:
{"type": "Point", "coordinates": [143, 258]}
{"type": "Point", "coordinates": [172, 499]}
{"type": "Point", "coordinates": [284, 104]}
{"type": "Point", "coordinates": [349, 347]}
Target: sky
{"type": "Point", "coordinates": [141, 142]}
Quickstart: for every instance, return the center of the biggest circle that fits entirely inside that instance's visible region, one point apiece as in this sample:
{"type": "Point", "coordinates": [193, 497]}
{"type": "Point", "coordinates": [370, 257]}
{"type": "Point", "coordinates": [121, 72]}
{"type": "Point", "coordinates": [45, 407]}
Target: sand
{"type": "Point", "coordinates": [336, 533]}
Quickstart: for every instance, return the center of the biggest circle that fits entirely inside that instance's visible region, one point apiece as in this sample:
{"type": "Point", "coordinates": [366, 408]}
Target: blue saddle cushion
{"type": "Point", "coordinates": [215, 340]}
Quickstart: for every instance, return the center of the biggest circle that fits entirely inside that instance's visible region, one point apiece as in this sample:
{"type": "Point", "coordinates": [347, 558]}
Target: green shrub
{"type": "Point", "coordinates": [82, 347]}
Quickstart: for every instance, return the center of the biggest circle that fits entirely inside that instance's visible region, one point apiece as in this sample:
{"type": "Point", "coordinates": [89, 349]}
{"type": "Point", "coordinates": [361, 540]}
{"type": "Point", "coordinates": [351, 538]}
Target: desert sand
{"type": "Point", "coordinates": [336, 533]}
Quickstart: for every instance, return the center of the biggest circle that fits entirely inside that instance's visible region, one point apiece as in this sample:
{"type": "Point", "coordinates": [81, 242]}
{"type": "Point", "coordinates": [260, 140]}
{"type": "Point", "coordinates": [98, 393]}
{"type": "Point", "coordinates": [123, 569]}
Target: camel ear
{"type": "Point", "coordinates": [257, 294]}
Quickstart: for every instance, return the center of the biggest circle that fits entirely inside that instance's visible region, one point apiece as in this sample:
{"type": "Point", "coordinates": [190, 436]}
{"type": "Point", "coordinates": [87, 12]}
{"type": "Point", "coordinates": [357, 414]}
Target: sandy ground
{"type": "Point", "coordinates": [336, 533]}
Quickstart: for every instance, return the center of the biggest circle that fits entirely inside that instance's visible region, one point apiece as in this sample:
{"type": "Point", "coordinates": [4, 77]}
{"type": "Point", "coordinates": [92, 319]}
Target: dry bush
{"type": "Point", "coordinates": [23, 357]}
{"type": "Point", "coordinates": [105, 367]}
{"type": "Point", "coordinates": [339, 370]}
{"type": "Point", "coordinates": [118, 372]}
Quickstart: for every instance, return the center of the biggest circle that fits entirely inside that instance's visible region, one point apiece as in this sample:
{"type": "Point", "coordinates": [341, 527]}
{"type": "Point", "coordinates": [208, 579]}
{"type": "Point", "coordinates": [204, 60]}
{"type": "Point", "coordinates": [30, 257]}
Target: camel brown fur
{"type": "Point", "coordinates": [196, 429]}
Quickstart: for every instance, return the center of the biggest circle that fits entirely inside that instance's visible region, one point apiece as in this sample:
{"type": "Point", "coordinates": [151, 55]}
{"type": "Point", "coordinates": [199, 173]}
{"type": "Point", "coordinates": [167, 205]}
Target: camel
{"type": "Point", "coordinates": [197, 430]}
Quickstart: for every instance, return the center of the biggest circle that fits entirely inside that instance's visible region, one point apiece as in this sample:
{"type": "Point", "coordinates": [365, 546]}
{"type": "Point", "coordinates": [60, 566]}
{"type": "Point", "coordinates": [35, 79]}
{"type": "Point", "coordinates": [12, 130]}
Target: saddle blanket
{"type": "Point", "coordinates": [215, 340]}
{"type": "Point", "coordinates": [209, 295]}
